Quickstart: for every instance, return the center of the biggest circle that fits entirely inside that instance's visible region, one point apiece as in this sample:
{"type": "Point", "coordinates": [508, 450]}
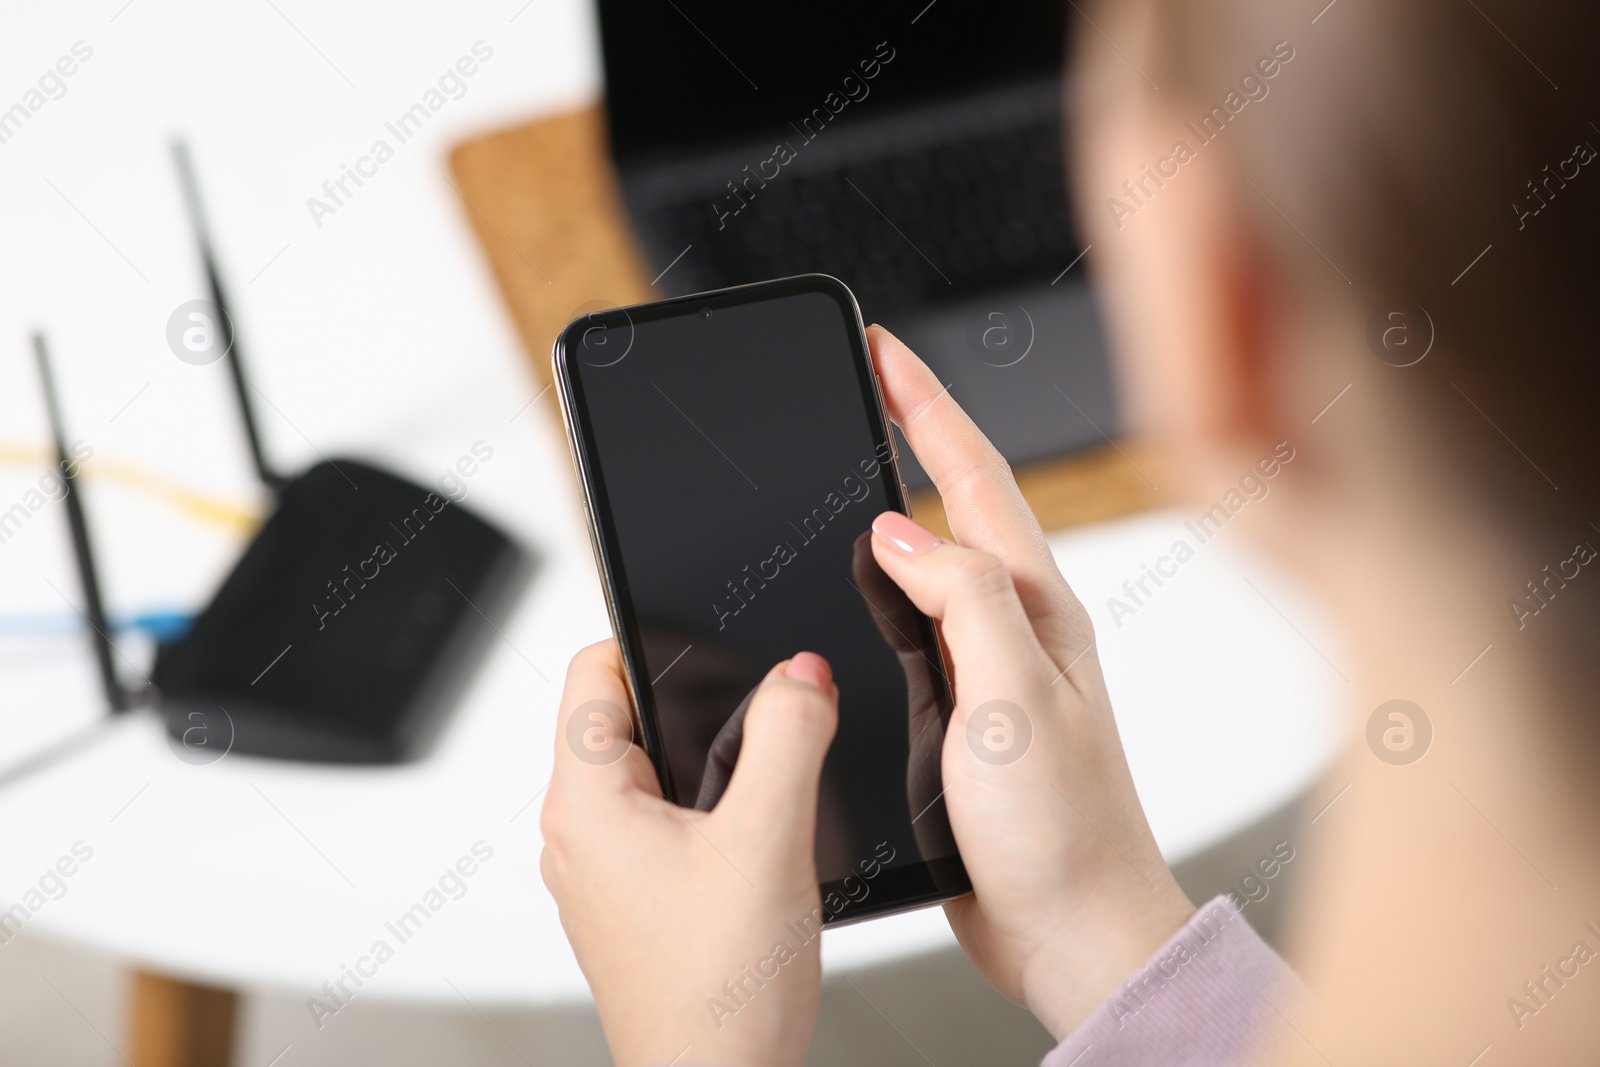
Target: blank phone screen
{"type": "Point", "coordinates": [736, 457]}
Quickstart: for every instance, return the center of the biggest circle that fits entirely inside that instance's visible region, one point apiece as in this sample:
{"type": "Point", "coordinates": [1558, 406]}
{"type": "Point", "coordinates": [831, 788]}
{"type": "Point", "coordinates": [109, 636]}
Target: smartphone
{"type": "Point", "coordinates": [733, 450]}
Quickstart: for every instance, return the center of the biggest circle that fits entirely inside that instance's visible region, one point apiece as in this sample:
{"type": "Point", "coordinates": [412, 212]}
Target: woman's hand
{"type": "Point", "coordinates": [698, 931]}
{"type": "Point", "coordinates": [1070, 894]}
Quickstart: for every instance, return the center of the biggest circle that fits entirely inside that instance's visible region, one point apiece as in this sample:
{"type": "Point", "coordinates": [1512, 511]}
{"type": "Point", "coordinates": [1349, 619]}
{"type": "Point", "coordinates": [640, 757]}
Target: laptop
{"type": "Point", "coordinates": [913, 150]}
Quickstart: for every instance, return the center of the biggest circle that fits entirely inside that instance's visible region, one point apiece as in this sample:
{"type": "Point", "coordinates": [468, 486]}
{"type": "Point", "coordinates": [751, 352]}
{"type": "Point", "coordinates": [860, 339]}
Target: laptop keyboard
{"type": "Point", "coordinates": [937, 219]}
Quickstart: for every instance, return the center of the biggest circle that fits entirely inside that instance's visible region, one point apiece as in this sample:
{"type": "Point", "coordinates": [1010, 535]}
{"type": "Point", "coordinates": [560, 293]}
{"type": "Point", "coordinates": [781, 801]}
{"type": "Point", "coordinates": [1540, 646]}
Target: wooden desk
{"type": "Point", "coordinates": [174, 1023]}
{"type": "Point", "coordinates": [543, 199]}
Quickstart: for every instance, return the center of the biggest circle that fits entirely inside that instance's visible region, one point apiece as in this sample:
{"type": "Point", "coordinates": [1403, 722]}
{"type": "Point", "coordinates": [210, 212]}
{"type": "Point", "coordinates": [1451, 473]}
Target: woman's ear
{"type": "Point", "coordinates": [1192, 293]}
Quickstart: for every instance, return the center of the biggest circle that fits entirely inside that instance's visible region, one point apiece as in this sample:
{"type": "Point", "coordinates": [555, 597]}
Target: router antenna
{"type": "Point", "coordinates": [119, 698]}
{"type": "Point", "coordinates": [191, 195]}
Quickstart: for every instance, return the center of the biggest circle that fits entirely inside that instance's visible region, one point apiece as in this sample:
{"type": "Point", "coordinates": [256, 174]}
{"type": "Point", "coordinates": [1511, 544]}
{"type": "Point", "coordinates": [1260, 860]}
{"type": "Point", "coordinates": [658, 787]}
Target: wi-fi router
{"type": "Point", "coordinates": [348, 624]}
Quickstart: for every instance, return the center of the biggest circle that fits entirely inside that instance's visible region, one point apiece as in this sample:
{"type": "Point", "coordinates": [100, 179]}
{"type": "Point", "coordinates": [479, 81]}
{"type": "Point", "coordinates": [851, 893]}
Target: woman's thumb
{"type": "Point", "coordinates": [787, 731]}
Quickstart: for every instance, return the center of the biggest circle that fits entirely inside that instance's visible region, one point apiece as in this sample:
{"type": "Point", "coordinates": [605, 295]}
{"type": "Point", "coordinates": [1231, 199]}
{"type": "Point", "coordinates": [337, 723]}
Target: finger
{"type": "Point", "coordinates": [990, 638]}
{"type": "Point", "coordinates": [981, 499]}
{"type": "Point", "coordinates": [787, 731]}
{"type": "Point", "coordinates": [596, 749]}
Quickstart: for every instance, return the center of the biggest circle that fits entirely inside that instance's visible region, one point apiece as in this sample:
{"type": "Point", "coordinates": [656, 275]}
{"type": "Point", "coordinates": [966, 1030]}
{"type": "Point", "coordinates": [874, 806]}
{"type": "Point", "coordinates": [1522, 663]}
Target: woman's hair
{"type": "Point", "coordinates": [1438, 152]}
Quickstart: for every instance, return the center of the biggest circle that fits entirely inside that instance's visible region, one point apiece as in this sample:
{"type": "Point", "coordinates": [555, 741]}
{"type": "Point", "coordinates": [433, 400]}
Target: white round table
{"type": "Point", "coordinates": [252, 873]}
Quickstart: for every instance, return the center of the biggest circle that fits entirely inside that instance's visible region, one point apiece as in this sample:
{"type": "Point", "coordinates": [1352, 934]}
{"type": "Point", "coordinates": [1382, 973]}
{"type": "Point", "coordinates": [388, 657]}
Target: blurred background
{"type": "Point", "coordinates": [397, 306]}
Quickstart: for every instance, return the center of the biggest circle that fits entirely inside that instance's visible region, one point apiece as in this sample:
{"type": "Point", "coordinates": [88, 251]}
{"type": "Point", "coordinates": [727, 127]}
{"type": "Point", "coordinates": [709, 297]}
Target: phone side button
{"type": "Point", "coordinates": [906, 496]}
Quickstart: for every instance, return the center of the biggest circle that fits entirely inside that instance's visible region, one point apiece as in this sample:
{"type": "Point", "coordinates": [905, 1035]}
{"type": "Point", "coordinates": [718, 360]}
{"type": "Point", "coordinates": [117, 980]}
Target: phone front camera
{"type": "Point", "coordinates": [705, 313]}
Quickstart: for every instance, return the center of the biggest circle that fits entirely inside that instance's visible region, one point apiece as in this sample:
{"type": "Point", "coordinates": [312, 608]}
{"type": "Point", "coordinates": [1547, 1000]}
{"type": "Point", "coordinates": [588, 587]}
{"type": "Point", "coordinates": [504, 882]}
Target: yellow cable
{"type": "Point", "coordinates": [208, 509]}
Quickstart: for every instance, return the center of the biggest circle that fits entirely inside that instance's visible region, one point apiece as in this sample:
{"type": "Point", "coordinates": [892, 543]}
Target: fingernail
{"type": "Point", "coordinates": [902, 533]}
{"type": "Point", "coordinates": [811, 668]}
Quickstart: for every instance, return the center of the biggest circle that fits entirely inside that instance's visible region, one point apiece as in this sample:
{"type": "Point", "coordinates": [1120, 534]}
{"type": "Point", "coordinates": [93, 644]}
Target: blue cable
{"type": "Point", "coordinates": [161, 626]}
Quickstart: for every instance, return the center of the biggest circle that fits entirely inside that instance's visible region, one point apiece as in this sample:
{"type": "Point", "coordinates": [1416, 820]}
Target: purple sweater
{"type": "Point", "coordinates": [1200, 1001]}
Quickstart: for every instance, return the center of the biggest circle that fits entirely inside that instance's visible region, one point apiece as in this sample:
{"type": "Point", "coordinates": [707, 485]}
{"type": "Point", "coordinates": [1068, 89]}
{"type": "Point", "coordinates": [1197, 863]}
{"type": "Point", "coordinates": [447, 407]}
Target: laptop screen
{"type": "Point", "coordinates": [684, 76]}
